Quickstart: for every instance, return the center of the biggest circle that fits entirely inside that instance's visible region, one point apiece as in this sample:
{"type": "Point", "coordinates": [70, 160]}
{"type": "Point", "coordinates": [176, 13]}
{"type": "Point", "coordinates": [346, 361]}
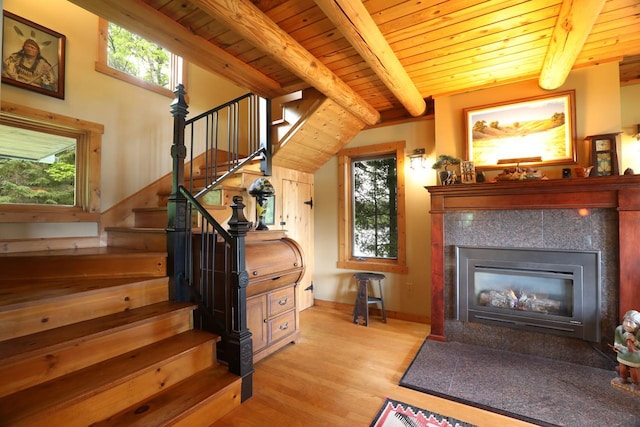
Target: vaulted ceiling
{"type": "Point", "coordinates": [382, 58]}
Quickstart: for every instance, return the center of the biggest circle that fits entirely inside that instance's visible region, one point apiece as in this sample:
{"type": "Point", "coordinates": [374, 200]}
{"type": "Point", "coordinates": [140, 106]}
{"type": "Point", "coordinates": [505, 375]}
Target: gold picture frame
{"type": "Point", "coordinates": [537, 131]}
{"type": "Point", "coordinates": [33, 56]}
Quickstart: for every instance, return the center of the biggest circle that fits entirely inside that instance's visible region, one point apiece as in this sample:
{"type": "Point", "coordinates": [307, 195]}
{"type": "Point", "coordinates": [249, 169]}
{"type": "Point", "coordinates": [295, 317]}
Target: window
{"type": "Point", "coordinates": [53, 174]}
{"type": "Point", "coordinates": [36, 167]}
{"type": "Point", "coordinates": [131, 58]}
{"type": "Point", "coordinates": [371, 208]}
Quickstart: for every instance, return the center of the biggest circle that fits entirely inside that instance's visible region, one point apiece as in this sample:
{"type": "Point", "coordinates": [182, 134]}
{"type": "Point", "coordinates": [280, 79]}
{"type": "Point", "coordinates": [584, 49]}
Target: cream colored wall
{"type": "Point", "coordinates": [630, 102]}
{"type": "Point", "coordinates": [138, 125]}
{"type": "Point", "coordinates": [598, 109]}
{"type": "Point", "coordinates": [406, 293]}
{"type": "Point", "coordinates": [597, 91]}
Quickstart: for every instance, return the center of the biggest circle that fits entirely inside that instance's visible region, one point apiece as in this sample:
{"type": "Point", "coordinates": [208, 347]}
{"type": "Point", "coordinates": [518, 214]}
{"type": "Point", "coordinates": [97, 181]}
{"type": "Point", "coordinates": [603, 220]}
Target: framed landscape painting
{"type": "Point", "coordinates": [533, 131]}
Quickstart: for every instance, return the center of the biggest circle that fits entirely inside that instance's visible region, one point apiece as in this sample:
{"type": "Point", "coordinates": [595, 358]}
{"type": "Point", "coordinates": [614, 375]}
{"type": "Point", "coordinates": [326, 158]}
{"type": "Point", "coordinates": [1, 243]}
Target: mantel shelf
{"type": "Point", "coordinates": [593, 192]}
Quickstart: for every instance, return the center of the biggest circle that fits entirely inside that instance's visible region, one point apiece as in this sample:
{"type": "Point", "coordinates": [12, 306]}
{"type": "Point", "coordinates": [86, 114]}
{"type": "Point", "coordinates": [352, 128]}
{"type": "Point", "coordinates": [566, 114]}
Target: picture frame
{"type": "Point", "coordinates": [270, 210]}
{"type": "Point", "coordinates": [467, 172]}
{"type": "Point", "coordinates": [538, 131]}
{"type": "Point", "coordinates": [33, 56]}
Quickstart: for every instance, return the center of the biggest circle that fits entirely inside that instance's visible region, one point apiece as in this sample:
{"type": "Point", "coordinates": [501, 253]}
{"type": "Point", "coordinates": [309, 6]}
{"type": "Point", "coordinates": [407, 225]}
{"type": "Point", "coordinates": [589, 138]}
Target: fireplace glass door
{"type": "Point", "coordinates": [533, 292]}
{"type": "Point", "coordinates": [546, 291]}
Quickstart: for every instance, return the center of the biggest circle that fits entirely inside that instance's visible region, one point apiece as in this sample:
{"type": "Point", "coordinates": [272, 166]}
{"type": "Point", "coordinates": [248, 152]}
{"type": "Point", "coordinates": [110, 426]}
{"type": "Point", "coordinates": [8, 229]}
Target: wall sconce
{"type": "Point", "coordinates": [416, 158]}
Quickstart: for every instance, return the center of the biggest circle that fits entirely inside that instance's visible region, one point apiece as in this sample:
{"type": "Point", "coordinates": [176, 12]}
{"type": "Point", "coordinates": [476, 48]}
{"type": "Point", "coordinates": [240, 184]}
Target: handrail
{"type": "Point", "coordinates": [206, 263]}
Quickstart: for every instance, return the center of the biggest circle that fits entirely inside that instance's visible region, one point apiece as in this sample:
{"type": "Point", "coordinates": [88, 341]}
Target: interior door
{"type": "Point", "coordinates": [297, 208]}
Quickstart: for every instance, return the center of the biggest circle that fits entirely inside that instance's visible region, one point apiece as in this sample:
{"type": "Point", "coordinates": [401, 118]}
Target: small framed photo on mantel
{"type": "Point", "coordinates": [33, 56]}
{"type": "Point", "coordinates": [467, 172]}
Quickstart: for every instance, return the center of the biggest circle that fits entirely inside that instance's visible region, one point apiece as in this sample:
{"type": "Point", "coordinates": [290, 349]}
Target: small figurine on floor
{"type": "Point", "coordinates": [627, 345]}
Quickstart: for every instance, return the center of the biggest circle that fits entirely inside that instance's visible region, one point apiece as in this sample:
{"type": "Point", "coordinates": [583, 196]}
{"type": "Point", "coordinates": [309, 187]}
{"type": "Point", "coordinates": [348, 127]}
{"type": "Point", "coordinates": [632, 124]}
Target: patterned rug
{"type": "Point", "coordinates": [394, 413]}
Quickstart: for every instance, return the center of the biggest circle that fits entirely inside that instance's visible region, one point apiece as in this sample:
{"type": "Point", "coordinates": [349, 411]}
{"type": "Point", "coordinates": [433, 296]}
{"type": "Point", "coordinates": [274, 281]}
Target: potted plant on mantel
{"type": "Point", "coordinates": [447, 177]}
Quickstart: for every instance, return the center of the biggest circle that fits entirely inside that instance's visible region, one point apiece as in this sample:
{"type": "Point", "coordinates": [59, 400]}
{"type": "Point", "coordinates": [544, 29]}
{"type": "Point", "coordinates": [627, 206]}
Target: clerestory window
{"type": "Point", "coordinates": [131, 58]}
{"type": "Point", "coordinates": [371, 208]}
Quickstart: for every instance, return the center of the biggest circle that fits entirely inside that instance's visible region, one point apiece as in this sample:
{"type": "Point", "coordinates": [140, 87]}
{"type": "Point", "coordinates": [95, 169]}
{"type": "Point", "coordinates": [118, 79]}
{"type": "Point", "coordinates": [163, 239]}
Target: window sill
{"type": "Point", "coordinates": [104, 69]}
{"type": "Point", "coordinates": [388, 267]}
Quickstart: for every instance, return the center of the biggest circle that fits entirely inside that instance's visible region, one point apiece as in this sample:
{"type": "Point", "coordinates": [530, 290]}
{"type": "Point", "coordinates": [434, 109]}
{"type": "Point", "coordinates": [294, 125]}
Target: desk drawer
{"type": "Point", "coordinates": [282, 326]}
{"type": "Point", "coordinates": [281, 300]}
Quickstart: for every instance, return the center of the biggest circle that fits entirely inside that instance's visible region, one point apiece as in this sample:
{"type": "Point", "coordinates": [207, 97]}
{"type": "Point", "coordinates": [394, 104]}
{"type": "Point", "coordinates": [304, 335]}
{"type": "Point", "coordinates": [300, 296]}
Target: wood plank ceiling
{"type": "Point", "coordinates": [274, 47]}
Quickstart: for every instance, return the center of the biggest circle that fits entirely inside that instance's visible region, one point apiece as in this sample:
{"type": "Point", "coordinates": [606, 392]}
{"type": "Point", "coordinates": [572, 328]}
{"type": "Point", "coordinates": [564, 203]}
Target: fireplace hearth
{"type": "Point", "coordinates": [539, 290]}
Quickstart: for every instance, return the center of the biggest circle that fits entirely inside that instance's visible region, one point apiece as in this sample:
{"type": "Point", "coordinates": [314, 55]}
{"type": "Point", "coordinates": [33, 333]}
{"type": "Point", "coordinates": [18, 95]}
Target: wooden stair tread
{"type": "Point", "coordinates": [94, 379]}
{"type": "Point", "coordinates": [102, 251]}
{"type": "Point", "coordinates": [20, 293]}
{"type": "Point", "coordinates": [138, 229]}
{"type": "Point", "coordinates": [177, 402]}
{"type": "Point", "coordinates": [64, 336]}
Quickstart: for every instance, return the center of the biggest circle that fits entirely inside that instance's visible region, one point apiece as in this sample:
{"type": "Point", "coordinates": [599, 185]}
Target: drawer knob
{"type": "Point", "coordinates": [283, 301]}
{"type": "Point", "coordinates": [284, 327]}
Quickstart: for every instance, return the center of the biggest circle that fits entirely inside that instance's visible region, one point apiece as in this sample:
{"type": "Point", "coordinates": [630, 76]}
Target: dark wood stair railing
{"type": "Point", "coordinates": [217, 280]}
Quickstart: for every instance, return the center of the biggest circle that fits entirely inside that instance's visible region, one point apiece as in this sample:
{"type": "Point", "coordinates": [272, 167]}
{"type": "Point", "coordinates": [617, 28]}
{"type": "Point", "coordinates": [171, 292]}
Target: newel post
{"type": "Point", "coordinates": [177, 232]}
{"type": "Point", "coordinates": [239, 346]}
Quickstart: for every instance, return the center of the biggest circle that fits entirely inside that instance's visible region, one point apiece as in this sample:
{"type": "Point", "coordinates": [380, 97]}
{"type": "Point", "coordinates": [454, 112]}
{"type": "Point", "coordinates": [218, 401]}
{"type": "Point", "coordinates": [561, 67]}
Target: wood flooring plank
{"type": "Point", "coordinates": [340, 373]}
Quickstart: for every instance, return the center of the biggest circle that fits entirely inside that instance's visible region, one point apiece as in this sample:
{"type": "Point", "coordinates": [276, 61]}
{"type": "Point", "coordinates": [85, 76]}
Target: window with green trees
{"type": "Point", "coordinates": [375, 202]}
{"type": "Point", "coordinates": [36, 167]}
{"type": "Point", "coordinates": [371, 208]}
{"type": "Point", "coordinates": [138, 57]}
{"type": "Point", "coordinates": [136, 60]}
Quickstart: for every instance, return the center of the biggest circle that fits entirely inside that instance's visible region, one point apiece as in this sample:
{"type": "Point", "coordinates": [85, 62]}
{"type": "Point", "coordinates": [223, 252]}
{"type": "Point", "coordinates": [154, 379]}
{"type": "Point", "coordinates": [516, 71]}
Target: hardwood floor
{"type": "Point", "coordinates": [339, 375]}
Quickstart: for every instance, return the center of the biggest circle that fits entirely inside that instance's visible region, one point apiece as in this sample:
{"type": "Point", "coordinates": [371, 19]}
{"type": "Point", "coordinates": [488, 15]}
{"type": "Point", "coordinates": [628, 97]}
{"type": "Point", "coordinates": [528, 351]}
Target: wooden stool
{"type": "Point", "coordinates": [363, 299]}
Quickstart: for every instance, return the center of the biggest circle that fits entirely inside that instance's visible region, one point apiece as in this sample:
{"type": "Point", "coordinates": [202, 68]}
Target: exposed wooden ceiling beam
{"type": "Point", "coordinates": [573, 26]}
{"type": "Point", "coordinates": [249, 21]}
{"type": "Point", "coordinates": [138, 17]}
{"type": "Point", "coordinates": [357, 26]}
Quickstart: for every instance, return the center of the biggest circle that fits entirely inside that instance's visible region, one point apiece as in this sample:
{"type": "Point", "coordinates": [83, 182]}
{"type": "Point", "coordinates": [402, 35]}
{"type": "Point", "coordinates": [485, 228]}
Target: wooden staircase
{"type": "Point", "coordinates": [88, 337]}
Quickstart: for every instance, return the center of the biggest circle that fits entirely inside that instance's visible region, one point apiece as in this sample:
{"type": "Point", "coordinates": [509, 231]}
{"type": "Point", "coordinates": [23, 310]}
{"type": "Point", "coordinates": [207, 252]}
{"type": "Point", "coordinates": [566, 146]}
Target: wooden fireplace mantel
{"type": "Point", "coordinates": [619, 192]}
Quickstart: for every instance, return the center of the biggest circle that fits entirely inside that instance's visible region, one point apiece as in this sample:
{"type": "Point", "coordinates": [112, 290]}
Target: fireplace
{"type": "Point", "coordinates": [595, 214]}
{"type": "Point", "coordinates": [546, 291]}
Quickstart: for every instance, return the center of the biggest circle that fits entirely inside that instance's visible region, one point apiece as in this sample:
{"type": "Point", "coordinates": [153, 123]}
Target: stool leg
{"type": "Point", "coordinates": [384, 313]}
{"type": "Point", "coordinates": [360, 308]}
{"type": "Point", "coordinates": [366, 302]}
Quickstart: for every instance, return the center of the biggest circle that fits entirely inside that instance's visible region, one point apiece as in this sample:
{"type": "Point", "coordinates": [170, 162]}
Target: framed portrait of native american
{"type": "Point", "coordinates": [32, 56]}
{"type": "Point", "coordinates": [538, 130]}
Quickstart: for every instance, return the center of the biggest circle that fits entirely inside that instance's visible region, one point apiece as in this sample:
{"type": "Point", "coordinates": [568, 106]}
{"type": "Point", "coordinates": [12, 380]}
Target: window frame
{"type": "Point", "coordinates": [88, 138]}
{"type": "Point", "coordinates": [102, 66]}
{"type": "Point", "coordinates": [345, 209]}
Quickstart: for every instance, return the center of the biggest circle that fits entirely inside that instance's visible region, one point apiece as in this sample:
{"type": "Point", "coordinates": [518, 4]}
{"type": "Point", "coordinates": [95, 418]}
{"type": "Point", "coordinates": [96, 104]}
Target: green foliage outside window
{"type": "Point", "coordinates": [375, 230]}
{"type": "Point", "coordinates": [138, 57]}
{"type": "Point", "coordinates": [28, 182]}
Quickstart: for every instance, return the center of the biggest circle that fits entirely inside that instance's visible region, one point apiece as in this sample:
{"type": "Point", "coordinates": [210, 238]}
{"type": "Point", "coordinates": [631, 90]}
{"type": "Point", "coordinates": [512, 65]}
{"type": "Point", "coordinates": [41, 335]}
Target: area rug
{"type": "Point", "coordinates": [542, 391]}
{"type": "Point", "coordinates": [398, 414]}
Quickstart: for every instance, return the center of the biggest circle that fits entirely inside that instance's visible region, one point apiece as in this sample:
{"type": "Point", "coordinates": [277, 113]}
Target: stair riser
{"type": "Point", "coordinates": [146, 241]}
{"type": "Point", "coordinates": [119, 396]}
{"type": "Point", "coordinates": [151, 219]}
{"type": "Point", "coordinates": [56, 312]}
{"type": "Point", "coordinates": [52, 267]}
{"type": "Point", "coordinates": [214, 408]}
{"type": "Point", "coordinates": [29, 371]}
